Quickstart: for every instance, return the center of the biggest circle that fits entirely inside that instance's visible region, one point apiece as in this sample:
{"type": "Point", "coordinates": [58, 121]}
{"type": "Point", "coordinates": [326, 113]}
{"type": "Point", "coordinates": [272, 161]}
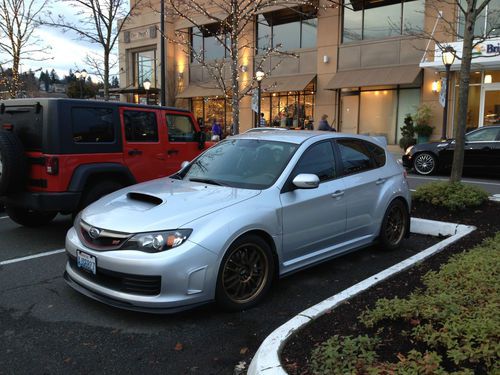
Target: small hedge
{"type": "Point", "coordinates": [454, 196]}
{"type": "Point", "coordinates": [455, 317]}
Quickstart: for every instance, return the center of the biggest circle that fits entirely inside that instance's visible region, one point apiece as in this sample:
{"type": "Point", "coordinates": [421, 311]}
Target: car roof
{"type": "Point", "coordinates": [300, 136]}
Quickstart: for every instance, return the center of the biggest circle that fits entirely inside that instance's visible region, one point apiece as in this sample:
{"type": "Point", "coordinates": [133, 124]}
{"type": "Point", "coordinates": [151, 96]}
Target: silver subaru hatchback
{"type": "Point", "coordinates": [251, 208]}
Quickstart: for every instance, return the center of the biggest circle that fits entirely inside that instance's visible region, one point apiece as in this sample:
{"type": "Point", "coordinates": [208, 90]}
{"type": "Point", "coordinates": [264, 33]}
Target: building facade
{"type": "Point", "coordinates": [366, 65]}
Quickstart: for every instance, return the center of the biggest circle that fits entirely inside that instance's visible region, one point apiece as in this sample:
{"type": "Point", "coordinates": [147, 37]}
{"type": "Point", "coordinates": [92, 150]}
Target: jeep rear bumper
{"type": "Point", "coordinates": [60, 202]}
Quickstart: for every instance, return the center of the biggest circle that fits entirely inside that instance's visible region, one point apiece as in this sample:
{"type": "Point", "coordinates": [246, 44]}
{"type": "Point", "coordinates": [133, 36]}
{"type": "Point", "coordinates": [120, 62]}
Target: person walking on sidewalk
{"type": "Point", "coordinates": [323, 124]}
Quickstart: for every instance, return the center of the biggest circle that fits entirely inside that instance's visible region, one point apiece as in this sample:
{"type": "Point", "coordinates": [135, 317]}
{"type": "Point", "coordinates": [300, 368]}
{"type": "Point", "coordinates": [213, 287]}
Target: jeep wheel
{"type": "Point", "coordinates": [29, 218]}
{"type": "Point", "coordinates": [12, 163]}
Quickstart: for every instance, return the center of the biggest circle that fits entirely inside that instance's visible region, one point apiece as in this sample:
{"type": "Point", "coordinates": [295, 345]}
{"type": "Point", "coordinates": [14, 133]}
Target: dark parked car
{"type": "Point", "coordinates": [482, 153]}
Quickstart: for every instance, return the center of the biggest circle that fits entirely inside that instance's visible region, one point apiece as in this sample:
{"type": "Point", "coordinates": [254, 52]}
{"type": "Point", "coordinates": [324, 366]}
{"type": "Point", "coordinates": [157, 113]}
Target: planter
{"type": "Point", "coordinates": [422, 138]}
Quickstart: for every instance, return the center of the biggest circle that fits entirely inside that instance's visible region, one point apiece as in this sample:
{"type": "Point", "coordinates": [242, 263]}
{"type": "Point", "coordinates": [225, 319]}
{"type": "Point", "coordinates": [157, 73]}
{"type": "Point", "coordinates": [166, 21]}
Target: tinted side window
{"type": "Point", "coordinates": [140, 126]}
{"type": "Point", "coordinates": [180, 128]}
{"type": "Point", "coordinates": [92, 125]}
{"type": "Point", "coordinates": [378, 154]}
{"type": "Point", "coordinates": [483, 135]}
{"type": "Point", "coordinates": [355, 157]}
{"type": "Point", "coordinates": [319, 160]}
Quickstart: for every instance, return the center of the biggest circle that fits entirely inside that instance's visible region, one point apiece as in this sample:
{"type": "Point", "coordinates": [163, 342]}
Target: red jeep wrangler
{"type": "Point", "coordinates": [59, 155]}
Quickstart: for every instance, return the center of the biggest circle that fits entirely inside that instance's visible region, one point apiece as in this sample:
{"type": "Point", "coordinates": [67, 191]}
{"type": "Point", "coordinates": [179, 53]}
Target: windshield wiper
{"type": "Point", "coordinates": [207, 181]}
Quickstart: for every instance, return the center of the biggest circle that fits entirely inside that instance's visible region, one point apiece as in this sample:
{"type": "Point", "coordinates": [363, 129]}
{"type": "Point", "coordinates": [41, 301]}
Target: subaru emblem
{"type": "Point", "coordinates": [94, 233]}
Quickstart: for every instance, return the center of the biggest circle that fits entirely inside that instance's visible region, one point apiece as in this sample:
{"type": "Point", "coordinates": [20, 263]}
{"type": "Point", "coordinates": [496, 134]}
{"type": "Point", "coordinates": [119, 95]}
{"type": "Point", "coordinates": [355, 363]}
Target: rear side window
{"type": "Point", "coordinates": [140, 126]}
{"type": "Point", "coordinates": [378, 154]}
{"type": "Point", "coordinates": [319, 160]}
{"type": "Point", "coordinates": [92, 125]}
{"type": "Point", "coordinates": [180, 128]}
{"type": "Point", "coordinates": [355, 156]}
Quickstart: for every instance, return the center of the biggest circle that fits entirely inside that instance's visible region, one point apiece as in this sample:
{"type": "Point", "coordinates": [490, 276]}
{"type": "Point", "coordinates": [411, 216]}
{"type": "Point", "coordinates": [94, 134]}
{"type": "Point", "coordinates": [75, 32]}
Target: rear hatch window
{"type": "Point", "coordinates": [27, 123]}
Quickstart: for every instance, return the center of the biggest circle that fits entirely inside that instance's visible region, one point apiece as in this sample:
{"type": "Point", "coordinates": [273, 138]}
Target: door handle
{"type": "Point", "coordinates": [134, 152]}
{"type": "Point", "coordinates": [160, 156]}
{"type": "Point", "coordinates": [380, 181]}
{"type": "Point", "coordinates": [338, 194]}
{"type": "Point", "coordinates": [172, 152]}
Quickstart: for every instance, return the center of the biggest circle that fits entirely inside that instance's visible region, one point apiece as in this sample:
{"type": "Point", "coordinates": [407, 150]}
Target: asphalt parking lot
{"type": "Point", "coordinates": [47, 328]}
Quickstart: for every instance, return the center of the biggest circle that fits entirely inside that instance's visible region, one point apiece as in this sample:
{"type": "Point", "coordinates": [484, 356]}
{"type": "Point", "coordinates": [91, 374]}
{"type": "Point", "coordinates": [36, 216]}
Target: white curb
{"type": "Point", "coordinates": [266, 360]}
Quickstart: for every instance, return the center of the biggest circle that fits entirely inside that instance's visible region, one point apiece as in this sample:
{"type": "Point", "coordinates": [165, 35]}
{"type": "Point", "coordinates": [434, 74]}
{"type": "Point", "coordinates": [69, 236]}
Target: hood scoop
{"type": "Point", "coordinates": [145, 198]}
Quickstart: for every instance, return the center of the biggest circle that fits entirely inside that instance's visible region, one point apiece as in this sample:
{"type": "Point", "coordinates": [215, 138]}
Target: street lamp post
{"type": "Point", "coordinates": [147, 86]}
{"type": "Point", "coordinates": [448, 57]}
{"type": "Point", "coordinates": [81, 76]}
{"type": "Point", "coordinates": [259, 76]}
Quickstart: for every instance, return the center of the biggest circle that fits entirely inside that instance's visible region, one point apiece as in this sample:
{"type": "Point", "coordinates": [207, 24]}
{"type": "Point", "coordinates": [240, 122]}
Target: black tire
{"type": "Point", "coordinates": [98, 190]}
{"type": "Point", "coordinates": [29, 218]}
{"type": "Point", "coordinates": [425, 163]}
{"type": "Point", "coordinates": [245, 275]}
{"type": "Point", "coordinates": [395, 225]}
{"type": "Point", "coordinates": [12, 163]}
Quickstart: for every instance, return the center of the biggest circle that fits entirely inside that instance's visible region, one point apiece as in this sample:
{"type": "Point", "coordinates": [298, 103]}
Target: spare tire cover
{"type": "Point", "coordinates": [12, 163]}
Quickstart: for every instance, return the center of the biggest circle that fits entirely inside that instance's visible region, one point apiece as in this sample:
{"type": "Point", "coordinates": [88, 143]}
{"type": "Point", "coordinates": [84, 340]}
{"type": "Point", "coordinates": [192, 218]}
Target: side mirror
{"type": "Point", "coordinates": [306, 181]}
{"type": "Point", "coordinates": [202, 137]}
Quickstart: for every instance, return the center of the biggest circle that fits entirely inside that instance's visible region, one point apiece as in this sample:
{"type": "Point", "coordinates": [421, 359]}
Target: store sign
{"type": "Point", "coordinates": [486, 53]}
{"type": "Point", "coordinates": [132, 36]}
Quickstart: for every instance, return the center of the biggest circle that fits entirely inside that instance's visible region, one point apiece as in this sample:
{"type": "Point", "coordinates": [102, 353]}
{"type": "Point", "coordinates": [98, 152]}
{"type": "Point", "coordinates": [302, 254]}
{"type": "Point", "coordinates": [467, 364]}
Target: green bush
{"type": "Point", "coordinates": [454, 196]}
{"type": "Point", "coordinates": [344, 355]}
{"type": "Point", "coordinates": [455, 316]}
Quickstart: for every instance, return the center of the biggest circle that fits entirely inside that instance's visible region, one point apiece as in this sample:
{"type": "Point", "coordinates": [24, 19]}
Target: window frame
{"type": "Point", "coordinates": [140, 111]}
{"type": "Point", "coordinates": [193, 127]}
{"type": "Point", "coordinates": [372, 166]}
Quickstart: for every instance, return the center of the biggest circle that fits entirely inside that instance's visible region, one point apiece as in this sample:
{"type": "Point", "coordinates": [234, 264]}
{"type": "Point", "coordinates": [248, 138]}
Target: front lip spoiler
{"type": "Point", "coordinates": [126, 305]}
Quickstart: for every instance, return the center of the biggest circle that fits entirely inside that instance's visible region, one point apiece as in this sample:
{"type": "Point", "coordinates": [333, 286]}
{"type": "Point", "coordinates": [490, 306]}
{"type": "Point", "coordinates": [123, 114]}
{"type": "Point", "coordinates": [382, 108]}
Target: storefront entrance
{"type": "Point", "coordinates": [490, 105]}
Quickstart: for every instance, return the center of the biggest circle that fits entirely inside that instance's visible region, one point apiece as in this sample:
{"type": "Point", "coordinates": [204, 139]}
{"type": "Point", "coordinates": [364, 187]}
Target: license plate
{"type": "Point", "coordinates": [86, 262]}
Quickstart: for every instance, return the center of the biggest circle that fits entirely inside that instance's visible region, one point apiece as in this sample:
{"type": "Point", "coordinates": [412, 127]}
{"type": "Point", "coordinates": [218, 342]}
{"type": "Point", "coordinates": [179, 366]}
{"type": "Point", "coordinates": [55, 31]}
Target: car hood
{"type": "Point", "coordinates": [161, 204]}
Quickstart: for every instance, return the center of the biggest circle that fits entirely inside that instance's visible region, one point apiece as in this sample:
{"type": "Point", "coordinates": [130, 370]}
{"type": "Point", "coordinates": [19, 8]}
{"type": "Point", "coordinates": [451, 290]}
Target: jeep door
{"type": "Point", "coordinates": [142, 150]}
{"type": "Point", "coordinates": [182, 142]}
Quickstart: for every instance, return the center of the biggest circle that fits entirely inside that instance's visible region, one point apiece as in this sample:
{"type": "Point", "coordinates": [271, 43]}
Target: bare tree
{"type": "Point", "coordinates": [17, 40]}
{"type": "Point", "coordinates": [99, 22]}
{"type": "Point", "coordinates": [469, 12]}
{"type": "Point", "coordinates": [228, 23]}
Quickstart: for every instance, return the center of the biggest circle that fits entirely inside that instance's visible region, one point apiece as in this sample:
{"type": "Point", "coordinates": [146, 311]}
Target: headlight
{"type": "Point", "coordinates": [408, 150]}
{"type": "Point", "coordinates": [154, 242]}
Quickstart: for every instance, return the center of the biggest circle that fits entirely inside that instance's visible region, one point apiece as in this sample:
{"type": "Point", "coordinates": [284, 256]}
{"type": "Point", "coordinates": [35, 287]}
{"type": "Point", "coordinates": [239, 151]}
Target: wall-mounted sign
{"type": "Point", "coordinates": [132, 36]}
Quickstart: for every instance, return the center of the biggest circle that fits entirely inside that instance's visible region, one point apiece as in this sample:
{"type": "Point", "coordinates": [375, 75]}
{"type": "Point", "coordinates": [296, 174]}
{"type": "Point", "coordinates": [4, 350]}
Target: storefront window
{"type": "Point", "coordinates": [409, 99]}
{"type": "Point", "coordinates": [492, 107]}
{"type": "Point", "coordinates": [472, 121]}
{"type": "Point", "coordinates": [290, 28]}
{"type": "Point", "coordinates": [205, 43]}
{"type": "Point", "coordinates": [378, 113]}
{"type": "Point", "coordinates": [144, 68]}
{"type": "Point", "coordinates": [381, 19]}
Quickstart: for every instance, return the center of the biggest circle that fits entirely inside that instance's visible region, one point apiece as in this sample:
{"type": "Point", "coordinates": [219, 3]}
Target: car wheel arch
{"type": "Point", "coordinates": [406, 205]}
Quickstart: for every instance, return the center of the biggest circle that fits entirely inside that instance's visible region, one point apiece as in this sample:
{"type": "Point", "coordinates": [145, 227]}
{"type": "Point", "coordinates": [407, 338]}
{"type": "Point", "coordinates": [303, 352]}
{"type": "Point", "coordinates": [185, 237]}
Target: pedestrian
{"type": "Point", "coordinates": [262, 121]}
{"type": "Point", "coordinates": [323, 124]}
{"type": "Point", "coordinates": [216, 131]}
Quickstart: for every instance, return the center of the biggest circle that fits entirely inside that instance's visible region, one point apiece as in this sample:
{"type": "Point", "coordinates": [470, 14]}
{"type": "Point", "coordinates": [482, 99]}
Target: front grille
{"type": "Point", "coordinates": [121, 282]}
{"type": "Point", "coordinates": [107, 240]}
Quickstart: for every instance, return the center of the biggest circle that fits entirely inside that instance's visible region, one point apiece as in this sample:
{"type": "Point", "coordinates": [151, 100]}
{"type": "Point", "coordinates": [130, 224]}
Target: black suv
{"type": "Point", "coordinates": [59, 155]}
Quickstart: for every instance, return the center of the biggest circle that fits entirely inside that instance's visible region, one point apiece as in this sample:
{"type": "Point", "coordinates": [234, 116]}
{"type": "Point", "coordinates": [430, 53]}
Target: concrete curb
{"type": "Point", "coordinates": [266, 359]}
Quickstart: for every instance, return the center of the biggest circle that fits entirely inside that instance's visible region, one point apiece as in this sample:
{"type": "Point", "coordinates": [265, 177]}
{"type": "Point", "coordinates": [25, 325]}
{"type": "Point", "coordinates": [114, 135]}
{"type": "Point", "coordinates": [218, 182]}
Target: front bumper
{"type": "Point", "coordinates": [407, 161]}
{"type": "Point", "coordinates": [185, 276]}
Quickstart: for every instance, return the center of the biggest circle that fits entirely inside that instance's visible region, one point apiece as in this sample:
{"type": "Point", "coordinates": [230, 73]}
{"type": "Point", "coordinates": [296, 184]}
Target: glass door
{"type": "Point", "coordinates": [349, 114]}
{"type": "Point", "coordinates": [490, 105]}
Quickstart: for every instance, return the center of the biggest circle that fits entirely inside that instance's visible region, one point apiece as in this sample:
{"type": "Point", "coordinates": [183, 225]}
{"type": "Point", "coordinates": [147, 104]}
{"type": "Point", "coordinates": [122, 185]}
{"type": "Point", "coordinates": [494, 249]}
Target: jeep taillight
{"type": "Point", "coordinates": [52, 165]}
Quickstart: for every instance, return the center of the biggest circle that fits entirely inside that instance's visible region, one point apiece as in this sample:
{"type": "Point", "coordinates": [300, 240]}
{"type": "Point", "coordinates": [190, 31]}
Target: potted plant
{"type": "Point", "coordinates": [407, 133]}
{"type": "Point", "coordinates": [422, 119]}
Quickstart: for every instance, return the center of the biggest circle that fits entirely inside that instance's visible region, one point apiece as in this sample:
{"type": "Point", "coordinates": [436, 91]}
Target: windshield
{"type": "Point", "coordinates": [242, 163]}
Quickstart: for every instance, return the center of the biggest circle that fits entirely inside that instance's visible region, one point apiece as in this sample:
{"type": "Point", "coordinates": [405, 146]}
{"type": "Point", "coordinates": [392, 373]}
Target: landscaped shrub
{"type": "Point", "coordinates": [455, 316]}
{"type": "Point", "coordinates": [454, 196]}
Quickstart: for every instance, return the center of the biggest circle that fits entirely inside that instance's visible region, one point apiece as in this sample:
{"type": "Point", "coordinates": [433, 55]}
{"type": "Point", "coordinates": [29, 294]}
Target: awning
{"type": "Point", "coordinates": [207, 89]}
{"type": "Point", "coordinates": [297, 82]}
{"type": "Point", "coordinates": [399, 75]}
{"type": "Point", "coordinates": [199, 20]}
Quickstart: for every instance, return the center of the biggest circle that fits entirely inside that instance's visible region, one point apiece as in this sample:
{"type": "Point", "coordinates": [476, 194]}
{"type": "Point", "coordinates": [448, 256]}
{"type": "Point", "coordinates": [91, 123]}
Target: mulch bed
{"type": "Point", "coordinates": [343, 319]}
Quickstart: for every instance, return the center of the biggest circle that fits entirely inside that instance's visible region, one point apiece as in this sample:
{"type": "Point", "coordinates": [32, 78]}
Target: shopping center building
{"type": "Point", "coordinates": [366, 65]}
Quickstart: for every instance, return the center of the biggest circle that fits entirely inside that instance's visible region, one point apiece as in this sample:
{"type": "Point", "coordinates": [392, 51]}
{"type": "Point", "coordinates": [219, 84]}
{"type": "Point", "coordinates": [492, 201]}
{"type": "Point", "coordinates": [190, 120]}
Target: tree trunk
{"type": "Point", "coordinates": [235, 98]}
{"type": "Point", "coordinates": [463, 94]}
{"type": "Point", "coordinates": [106, 75]}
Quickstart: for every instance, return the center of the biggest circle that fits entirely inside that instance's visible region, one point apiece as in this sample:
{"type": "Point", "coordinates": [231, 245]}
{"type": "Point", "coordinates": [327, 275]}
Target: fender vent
{"type": "Point", "coordinates": [145, 198]}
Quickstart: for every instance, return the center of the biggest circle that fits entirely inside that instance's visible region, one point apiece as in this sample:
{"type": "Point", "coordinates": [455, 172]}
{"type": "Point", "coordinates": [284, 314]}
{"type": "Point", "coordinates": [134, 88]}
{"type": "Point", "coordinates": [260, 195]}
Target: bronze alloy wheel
{"type": "Point", "coordinates": [245, 273]}
{"type": "Point", "coordinates": [395, 224]}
